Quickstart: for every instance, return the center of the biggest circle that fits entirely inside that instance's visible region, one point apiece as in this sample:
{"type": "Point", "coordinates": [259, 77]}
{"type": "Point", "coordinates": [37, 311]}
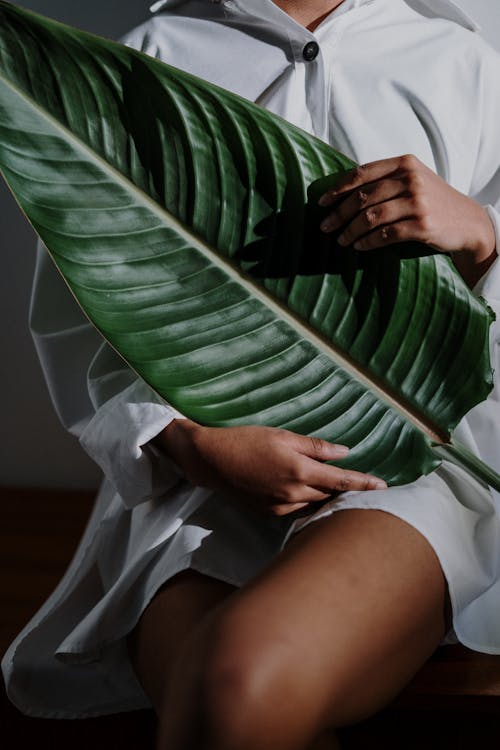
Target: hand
{"type": "Point", "coordinates": [271, 470]}
{"type": "Point", "coordinates": [401, 199]}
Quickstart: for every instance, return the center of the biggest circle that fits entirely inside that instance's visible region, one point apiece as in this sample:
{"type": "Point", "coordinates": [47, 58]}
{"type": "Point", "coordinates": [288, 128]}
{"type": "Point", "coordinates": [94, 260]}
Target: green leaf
{"type": "Point", "coordinates": [185, 222]}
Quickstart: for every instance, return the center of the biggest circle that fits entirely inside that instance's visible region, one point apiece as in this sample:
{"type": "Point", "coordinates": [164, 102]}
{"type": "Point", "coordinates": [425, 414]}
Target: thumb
{"type": "Point", "coordinates": [322, 450]}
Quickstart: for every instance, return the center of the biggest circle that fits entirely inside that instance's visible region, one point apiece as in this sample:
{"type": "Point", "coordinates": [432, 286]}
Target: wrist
{"type": "Point", "coordinates": [474, 260]}
{"type": "Point", "coordinates": [486, 239]}
{"type": "Point", "coordinates": [177, 437]}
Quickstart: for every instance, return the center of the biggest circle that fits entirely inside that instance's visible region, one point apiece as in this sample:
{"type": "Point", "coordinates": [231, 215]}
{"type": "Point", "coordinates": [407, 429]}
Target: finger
{"type": "Point", "coordinates": [321, 450]}
{"type": "Point", "coordinates": [402, 231]}
{"type": "Point", "coordinates": [316, 494]}
{"type": "Point", "coordinates": [360, 175]}
{"type": "Point", "coordinates": [333, 478]}
{"type": "Point", "coordinates": [360, 200]}
{"type": "Point", "coordinates": [300, 492]}
{"type": "Point", "coordinates": [371, 218]}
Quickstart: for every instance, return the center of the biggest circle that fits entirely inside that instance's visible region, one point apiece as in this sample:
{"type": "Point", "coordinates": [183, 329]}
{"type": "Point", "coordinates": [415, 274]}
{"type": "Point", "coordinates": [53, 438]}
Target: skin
{"type": "Point", "coordinates": [268, 470]}
{"type": "Point", "coordinates": [339, 622]}
{"type": "Point", "coordinates": [308, 13]}
{"type": "Point", "coordinates": [328, 634]}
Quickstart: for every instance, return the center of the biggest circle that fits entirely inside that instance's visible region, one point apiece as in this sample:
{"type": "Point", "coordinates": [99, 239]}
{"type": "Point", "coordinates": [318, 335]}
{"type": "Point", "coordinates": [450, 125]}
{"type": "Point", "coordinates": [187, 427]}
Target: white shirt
{"type": "Point", "coordinates": [388, 79]}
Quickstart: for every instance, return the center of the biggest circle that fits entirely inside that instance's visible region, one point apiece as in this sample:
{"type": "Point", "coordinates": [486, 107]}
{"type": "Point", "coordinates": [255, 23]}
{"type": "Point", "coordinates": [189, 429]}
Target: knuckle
{"type": "Point", "coordinates": [297, 474]}
{"type": "Point", "coordinates": [294, 475]}
{"type": "Point", "coordinates": [343, 482]}
{"type": "Point", "coordinates": [358, 173]}
{"type": "Point", "coordinates": [415, 182]}
{"type": "Point", "coordinates": [403, 233]}
{"type": "Point", "coordinates": [317, 446]}
{"type": "Point", "coordinates": [408, 162]}
{"type": "Point", "coordinates": [418, 203]}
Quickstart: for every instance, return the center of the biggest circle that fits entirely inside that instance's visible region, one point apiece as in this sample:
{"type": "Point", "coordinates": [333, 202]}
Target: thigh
{"type": "Point", "coordinates": [339, 623]}
{"type": "Point", "coordinates": [176, 609]}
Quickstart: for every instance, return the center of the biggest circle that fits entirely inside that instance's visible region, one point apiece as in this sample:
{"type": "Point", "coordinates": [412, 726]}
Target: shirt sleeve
{"type": "Point", "coordinates": [97, 397]}
{"type": "Point", "coordinates": [118, 439]}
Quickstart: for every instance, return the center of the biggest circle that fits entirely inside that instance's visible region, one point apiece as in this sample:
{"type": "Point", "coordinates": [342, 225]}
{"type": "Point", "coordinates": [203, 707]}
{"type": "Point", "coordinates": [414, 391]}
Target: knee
{"type": "Point", "coordinates": [234, 704]}
{"type": "Point", "coordinates": [235, 700]}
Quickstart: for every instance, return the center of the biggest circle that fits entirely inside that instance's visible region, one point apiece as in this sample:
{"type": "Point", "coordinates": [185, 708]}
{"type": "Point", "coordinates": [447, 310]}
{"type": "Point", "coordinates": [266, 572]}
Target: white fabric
{"type": "Point", "coordinates": [389, 79]}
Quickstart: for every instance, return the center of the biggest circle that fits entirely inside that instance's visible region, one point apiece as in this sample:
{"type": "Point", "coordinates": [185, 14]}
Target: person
{"type": "Point", "coordinates": [197, 587]}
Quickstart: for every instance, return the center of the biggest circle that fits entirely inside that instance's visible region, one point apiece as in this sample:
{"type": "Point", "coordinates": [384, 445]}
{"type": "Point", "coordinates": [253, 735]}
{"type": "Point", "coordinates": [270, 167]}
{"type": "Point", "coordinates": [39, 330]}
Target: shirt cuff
{"type": "Point", "coordinates": [488, 285]}
{"type": "Point", "coordinates": [117, 439]}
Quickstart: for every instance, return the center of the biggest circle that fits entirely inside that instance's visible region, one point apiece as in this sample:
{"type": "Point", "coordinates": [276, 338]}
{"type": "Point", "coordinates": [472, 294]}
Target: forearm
{"type": "Point", "coordinates": [177, 442]}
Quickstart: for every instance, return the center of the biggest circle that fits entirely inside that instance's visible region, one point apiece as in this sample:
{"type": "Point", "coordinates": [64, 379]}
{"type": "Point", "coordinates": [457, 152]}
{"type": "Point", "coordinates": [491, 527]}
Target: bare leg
{"type": "Point", "coordinates": [177, 608]}
{"type": "Point", "coordinates": [328, 635]}
{"type": "Point", "coordinates": [171, 616]}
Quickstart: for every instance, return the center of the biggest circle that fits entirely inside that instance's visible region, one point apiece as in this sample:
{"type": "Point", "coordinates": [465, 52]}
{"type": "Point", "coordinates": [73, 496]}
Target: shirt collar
{"type": "Point", "coordinates": [445, 9]}
{"type": "Point", "coordinates": [258, 12]}
{"type": "Point", "coordinates": [432, 8]}
{"type": "Point", "coordinates": [160, 4]}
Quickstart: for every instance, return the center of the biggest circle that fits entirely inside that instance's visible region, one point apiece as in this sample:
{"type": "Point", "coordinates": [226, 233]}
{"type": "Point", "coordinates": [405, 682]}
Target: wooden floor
{"type": "Point", "coordinates": [453, 703]}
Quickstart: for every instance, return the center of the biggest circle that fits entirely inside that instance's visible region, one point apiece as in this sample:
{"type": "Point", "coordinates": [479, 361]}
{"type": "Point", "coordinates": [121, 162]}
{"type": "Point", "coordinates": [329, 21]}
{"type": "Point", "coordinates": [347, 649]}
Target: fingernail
{"type": "Point", "coordinates": [341, 450]}
{"type": "Point", "coordinates": [342, 240]}
{"type": "Point", "coordinates": [380, 485]}
{"type": "Point", "coordinates": [357, 246]}
{"type": "Point", "coordinates": [326, 225]}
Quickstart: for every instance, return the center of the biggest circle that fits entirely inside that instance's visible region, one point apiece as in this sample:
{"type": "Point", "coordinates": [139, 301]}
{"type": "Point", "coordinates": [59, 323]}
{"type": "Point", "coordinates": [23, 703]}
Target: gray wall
{"type": "Point", "coordinates": [35, 451]}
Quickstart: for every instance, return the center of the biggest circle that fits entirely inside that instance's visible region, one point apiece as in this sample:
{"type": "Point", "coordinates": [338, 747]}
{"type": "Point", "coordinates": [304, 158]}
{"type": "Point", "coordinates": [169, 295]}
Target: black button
{"type": "Point", "coordinates": [310, 51]}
